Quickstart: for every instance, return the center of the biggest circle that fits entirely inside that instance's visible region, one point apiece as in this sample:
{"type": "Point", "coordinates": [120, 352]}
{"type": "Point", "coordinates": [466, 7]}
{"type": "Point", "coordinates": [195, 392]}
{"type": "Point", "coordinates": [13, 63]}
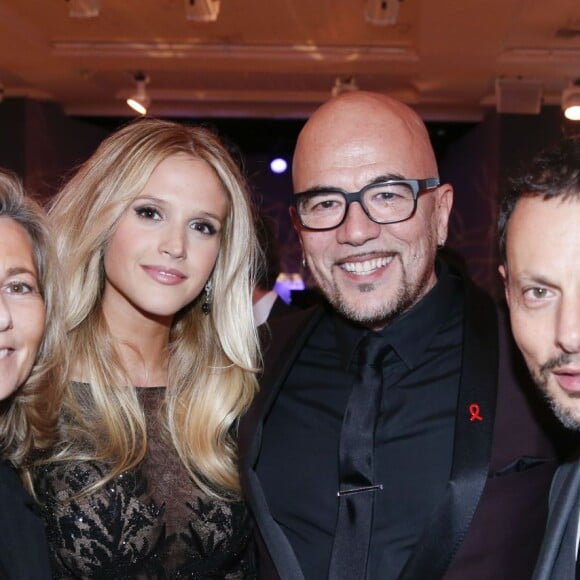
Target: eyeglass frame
{"type": "Point", "coordinates": [417, 186]}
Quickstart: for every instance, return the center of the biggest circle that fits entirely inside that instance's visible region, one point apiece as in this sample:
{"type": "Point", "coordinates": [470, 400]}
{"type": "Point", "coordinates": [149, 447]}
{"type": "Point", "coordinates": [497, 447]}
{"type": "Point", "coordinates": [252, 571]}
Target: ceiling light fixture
{"type": "Point", "coordinates": [343, 85]}
{"type": "Point", "coordinates": [140, 101]}
{"type": "Point", "coordinates": [382, 12]}
{"type": "Point", "coordinates": [571, 101]}
{"type": "Point", "coordinates": [84, 8]}
{"type": "Point", "coordinates": [202, 10]}
{"type": "Point", "coordinates": [278, 165]}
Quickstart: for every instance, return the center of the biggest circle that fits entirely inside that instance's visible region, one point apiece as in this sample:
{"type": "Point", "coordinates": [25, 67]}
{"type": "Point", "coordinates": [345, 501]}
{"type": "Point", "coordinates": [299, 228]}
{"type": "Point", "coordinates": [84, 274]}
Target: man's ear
{"type": "Point", "coordinates": [297, 225]}
{"type": "Point", "coordinates": [295, 219]}
{"type": "Point", "coordinates": [444, 203]}
{"type": "Point", "coordinates": [504, 276]}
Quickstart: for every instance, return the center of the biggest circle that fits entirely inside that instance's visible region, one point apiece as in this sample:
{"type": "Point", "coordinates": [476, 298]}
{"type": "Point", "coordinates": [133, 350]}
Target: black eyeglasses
{"type": "Point", "coordinates": [386, 202]}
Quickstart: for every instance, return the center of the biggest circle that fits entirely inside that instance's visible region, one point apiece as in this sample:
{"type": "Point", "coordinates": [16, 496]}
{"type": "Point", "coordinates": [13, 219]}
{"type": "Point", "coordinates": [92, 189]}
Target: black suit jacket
{"type": "Point", "coordinates": [490, 521]}
{"type": "Point", "coordinates": [23, 546]}
{"type": "Point", "coordinates": [280, 308]}
{"type": "Point", "coordinates": [557, 557]}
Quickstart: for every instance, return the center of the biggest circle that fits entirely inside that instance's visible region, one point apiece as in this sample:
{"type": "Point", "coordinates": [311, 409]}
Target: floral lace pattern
{"type": "Point", "coordinates": [151, 523]}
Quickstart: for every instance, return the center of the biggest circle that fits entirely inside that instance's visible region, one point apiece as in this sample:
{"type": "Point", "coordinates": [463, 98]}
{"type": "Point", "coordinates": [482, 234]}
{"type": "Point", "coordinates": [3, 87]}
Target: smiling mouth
{"type": "Point", "coordinates": [366, 267]}
{"type": "Point", "coordinates": [4, 352]}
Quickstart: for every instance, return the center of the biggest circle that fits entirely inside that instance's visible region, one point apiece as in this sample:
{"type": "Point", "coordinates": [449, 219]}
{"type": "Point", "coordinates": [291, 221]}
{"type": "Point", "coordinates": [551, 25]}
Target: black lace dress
{"type": "Point", "coordinates": [149, 523]}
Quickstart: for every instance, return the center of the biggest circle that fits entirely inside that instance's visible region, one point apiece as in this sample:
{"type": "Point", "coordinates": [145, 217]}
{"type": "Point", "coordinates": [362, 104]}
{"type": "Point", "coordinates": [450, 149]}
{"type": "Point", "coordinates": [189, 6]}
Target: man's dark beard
{"type": "Point", "coordinates": [541, 378]}
{"type": "Point", "coordinates": [407, 296]}
{"type": "Point", "coordinates": [403, 303]}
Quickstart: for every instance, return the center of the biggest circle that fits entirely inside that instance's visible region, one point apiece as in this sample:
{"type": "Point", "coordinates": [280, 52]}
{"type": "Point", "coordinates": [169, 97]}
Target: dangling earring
{"type": "Point", "coordinates": [206, 304]}
{"type": "Point", "coordinates": [304, 265]}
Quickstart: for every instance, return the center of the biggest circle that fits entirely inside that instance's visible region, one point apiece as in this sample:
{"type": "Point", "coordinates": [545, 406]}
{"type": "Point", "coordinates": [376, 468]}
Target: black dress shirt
{"type": "Point", "coordinates": [298, 463]}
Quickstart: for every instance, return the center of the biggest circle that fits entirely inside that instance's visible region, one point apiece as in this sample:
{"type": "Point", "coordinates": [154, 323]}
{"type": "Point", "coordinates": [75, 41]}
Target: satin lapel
{"type": "Point", "coordinates": [282, 340]}
{"type": "Point", "coordinates": [560, 536]}
{"type": "Point", "coordinates": [473, 441]}
{"type": "Point", "coordinates": [280, 308]}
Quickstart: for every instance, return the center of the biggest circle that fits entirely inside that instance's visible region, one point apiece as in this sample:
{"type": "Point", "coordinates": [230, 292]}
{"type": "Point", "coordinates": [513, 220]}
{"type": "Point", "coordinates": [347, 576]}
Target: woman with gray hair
{"type": "Point", "coordinates": [30, 342]}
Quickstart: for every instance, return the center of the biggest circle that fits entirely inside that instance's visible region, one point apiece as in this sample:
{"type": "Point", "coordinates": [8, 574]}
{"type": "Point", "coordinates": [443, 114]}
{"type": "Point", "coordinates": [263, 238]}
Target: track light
{"type": "Point", "coordinates": [84, 8]}
{"type": "Point", "coordinates": [571, 101]}
{"type": "Point", "coordinates": [202, 10]}
{"type": "Point", "coordinates": [140, 101]}
{"type": "Point", "coordinates": [343, 85]}
{"type": "Point", "coordinates": [382, 12]}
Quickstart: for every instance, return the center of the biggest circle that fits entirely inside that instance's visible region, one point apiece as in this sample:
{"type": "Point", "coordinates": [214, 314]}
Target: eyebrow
{"type": "Point", "coordinates": [213, 215]}
{"type": "Point", "coordinates": [531, 278]}
{"type": "Point", "coordinates": [376, 180]}
{"type": "Point", "coordinates": [20, 270]}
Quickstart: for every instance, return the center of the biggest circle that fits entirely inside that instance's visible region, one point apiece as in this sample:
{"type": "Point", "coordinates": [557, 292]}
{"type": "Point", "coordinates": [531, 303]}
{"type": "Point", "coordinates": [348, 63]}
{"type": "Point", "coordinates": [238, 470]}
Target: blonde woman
{"type": "Point", "coordinates": [155, 236]}
{"type": "Point", "coordinates": [29, 352]}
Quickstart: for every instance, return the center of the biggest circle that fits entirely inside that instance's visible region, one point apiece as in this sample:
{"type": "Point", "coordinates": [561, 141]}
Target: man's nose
{"type": "Point", "coordinates": [357, 228]}
{"type": "Point", "coordinates": [568, 325]}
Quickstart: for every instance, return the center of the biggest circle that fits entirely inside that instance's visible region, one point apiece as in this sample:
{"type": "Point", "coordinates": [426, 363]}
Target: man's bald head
{"type": "Point", "coordinates": [368, 119]}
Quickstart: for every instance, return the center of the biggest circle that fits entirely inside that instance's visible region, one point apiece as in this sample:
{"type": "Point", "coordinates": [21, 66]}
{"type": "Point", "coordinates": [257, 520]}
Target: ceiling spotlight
{"type": "Point", "coordinates": [278, 165]}
{"type": "Point", "coordinates": [202, 10]}
{"type": "Point", "coordinates": [84, 8]}
{"type": "Point", "coordinates": [343, 85]}
{"type": "Point", "coordinates": [140, 101]}
{"type": "Point", "coordinates": [382, 12]}
{"type": "Point", "coordinates": [571, 101]}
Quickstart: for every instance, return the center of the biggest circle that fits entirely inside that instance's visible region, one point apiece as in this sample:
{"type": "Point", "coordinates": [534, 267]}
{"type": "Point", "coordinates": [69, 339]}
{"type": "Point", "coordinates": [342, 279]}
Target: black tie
{"type": "Point", "coordinates": [357, 487]}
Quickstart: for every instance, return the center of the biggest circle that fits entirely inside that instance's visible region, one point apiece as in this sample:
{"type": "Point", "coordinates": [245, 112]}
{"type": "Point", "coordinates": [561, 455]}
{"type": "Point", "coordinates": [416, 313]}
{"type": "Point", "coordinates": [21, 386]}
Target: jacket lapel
{"type": "Point", "coordinates": [291, 331]}
{"type": "Point", "coordinates": [474, 422]}
{"type": "Point", "coordinates": [558, 552]}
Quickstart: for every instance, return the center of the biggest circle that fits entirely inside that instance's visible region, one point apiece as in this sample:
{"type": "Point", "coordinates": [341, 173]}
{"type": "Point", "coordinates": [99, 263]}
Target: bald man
{"type": "Point", "coordinates": [391, 438]}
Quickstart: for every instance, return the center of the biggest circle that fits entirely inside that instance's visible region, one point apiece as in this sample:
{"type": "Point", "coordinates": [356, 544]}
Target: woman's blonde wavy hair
{"type": "Point", "coordinates": [28, 418]}
{"type": "Point", "coordinates": [212, 358]}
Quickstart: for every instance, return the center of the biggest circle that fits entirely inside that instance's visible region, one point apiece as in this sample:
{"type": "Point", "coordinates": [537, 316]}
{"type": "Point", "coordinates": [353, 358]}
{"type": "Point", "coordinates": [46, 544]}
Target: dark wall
{"type": "Point", "coordinates": [471, 166]}
{"type": "Point", "coordinates": [522, 136]}
{"type": "Point", "coordinates": [272, 194]}
{"type": "Point", "coordinates": [479, 164]}
{"type": "Point", "coordinates": [42, 145]}
{"type": "Point", "coordinates": [13, 135]}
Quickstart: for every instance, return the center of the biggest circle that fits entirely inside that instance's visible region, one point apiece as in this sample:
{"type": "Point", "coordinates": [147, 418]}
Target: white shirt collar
{"type": "Point", "coordinates": [263, 306]}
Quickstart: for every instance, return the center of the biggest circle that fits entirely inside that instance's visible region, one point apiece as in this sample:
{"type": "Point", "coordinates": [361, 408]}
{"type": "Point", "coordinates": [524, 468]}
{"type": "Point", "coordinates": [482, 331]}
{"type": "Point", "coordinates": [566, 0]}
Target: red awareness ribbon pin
{"type": "Point", "coordinates": [474, 411]}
